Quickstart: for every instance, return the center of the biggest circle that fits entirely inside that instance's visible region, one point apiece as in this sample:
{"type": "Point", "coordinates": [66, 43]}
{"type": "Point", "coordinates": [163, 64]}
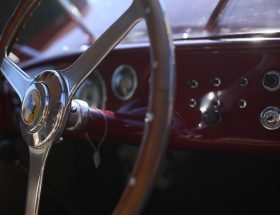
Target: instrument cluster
{"type": "Point", "coordinates": [123, 85]}
{"type": "Point", "coordinates": [226, 96]}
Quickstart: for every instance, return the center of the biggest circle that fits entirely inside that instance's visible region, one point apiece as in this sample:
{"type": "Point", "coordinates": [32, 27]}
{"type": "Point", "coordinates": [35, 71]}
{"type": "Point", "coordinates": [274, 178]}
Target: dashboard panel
{"type": "Point", "coordinates": [224, 107]}
{"type": "Point", "coordinates": [223, 90]}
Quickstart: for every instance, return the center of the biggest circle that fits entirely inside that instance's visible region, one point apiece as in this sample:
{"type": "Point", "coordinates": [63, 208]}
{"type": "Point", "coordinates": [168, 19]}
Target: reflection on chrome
{"type": "Point", "coordinates": [207, 101]}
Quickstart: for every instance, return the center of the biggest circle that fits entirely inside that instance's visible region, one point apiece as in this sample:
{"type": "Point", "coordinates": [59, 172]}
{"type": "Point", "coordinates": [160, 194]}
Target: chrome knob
{"type": "Point", "coordinates": [270, 118]}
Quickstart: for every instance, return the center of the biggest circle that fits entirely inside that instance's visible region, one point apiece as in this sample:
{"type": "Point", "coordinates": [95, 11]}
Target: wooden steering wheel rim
{"type": "Point", "coordinates": [161, 98]}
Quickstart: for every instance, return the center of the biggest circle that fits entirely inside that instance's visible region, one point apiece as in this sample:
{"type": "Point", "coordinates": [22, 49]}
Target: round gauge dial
{"type": "Point", "coordinates": [124, 82]}
{"type": "Point", "coordinates": [93, 91]}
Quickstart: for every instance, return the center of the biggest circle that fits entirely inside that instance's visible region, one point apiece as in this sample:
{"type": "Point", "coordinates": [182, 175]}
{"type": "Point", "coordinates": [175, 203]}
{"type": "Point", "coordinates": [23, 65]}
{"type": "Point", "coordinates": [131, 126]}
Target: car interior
{"type": "Point", "coordinates": [139, 107]}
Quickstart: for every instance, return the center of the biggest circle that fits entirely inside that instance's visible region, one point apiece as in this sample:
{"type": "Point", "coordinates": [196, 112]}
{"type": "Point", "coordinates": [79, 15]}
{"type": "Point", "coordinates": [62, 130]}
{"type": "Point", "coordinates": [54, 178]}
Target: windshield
{"type": "Point", "coordinates": [69, 25]}
{"type": "Point", "coordinates": [192, 19]}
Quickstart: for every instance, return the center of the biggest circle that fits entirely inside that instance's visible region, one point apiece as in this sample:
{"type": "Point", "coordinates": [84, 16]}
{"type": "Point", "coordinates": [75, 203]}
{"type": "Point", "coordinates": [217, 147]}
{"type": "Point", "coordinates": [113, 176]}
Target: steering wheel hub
{"type": "Point", "coordinates": [43, 112]}
{"type": "Point", "coordinates": [31, 106]}
{"type": "Point", "coordinates": [35, 106]}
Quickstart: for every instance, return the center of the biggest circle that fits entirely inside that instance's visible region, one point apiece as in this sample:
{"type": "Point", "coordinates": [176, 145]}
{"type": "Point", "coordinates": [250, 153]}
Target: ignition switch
{"type": "Point", "coordinates": [270, 118]}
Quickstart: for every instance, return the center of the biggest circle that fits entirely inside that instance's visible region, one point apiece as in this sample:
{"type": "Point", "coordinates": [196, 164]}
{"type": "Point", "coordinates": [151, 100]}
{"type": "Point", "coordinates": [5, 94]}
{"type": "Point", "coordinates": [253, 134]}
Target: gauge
{"type": "Point", "coordinates": [93, 91]}
{"type": "Point", "coordinates": [124, 82]}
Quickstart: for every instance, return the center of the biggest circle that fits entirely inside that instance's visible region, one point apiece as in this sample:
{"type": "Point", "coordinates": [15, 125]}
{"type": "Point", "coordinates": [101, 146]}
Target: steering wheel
{"type": "Point", "coordinates": [46, 99]}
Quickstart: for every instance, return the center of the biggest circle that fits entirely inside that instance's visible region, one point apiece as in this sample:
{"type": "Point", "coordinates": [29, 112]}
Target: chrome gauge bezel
{"type": "Point", "coordinates": [94, 75]}
{"type": "Point", "coordinates": [114, 81]}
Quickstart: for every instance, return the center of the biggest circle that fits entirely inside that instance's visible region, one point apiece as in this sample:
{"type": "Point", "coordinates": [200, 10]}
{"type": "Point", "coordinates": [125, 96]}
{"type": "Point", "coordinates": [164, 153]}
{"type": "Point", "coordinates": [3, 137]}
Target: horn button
{"type": "Point", "coordinates": [43, 110]}
{"type": "Point", "coordinates": [35, 106]}
{"type": "Point", "coordinates": [31, 106]}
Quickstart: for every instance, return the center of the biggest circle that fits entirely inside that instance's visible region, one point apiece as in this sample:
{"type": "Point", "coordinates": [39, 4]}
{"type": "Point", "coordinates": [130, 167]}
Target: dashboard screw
{"type": "Point", "coordinates": [192, 103]}
{"type": "Point", "coordinates": [242, 103]}
{"type": "Point", "coordinates": [192, 84]}
{"type": "Point", "coordinates": [243, 82]}
{"type": "Point", "coordinates": [216, 82]}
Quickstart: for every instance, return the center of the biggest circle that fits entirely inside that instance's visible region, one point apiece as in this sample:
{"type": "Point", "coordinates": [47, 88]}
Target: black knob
{"type": "Point", "coordinates": [211, 117]}
{"type": "Point", "coordinates": [271, 81]}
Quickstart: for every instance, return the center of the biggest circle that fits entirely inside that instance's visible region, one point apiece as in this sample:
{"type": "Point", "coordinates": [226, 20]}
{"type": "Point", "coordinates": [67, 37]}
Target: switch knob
{"type": "Point", "coordinates": [270, 118]}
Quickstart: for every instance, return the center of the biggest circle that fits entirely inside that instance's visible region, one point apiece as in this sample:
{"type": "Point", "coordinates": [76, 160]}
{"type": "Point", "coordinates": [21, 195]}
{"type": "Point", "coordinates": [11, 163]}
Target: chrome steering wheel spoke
{"type": "Point", "coordinates": [37, 162]}
{"type": "Point", "coordinates": [18, 79]}
{"type": "Point", "coordinates": [90, 59]}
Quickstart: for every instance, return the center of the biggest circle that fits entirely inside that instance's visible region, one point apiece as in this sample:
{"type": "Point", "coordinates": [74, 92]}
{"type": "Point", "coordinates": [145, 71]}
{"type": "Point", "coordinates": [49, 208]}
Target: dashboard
{"type": "Point", "coordinates": [226, 99]}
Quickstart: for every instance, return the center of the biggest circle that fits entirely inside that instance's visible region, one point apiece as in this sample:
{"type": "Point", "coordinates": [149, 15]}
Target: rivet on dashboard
{"type": "Point", "coordinates": [149, 117]}
{"type": "Point", "coordinates": [192, 84]}
{"type": "Point", "coordinates": [242, 103]}
{"type": "Point", "coordinates": [216, 82]}
{"type": "Point", "coordinates": [243, 82]}
{"type": "Point", "coordinates": [132, 182]}
{"type": "Point", "coordinates": [192, 103]}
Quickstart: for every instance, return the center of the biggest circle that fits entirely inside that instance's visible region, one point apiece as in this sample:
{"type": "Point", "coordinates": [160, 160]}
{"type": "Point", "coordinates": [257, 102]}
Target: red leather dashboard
{"type": "Point", "coordinates": [220, 93]}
